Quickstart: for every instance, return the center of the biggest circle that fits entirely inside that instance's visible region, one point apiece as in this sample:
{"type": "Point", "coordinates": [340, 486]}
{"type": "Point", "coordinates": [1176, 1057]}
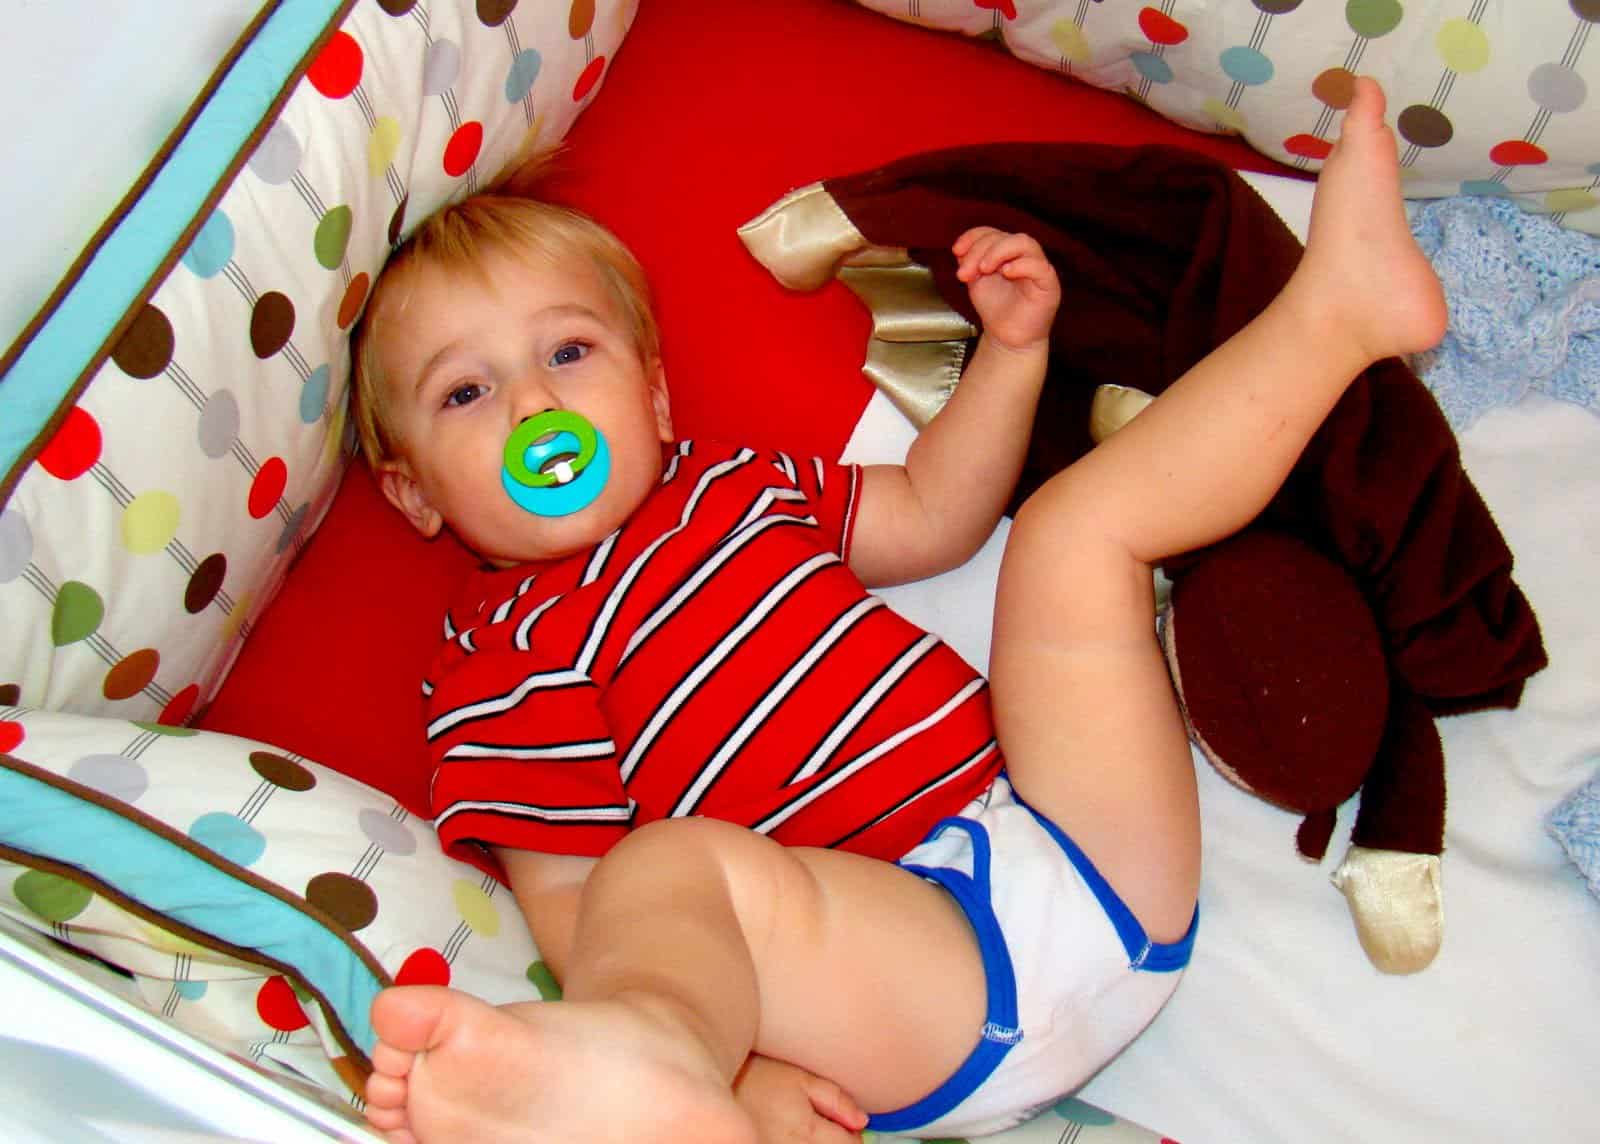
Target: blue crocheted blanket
{"type": "Point", "coordinates": [1524, 300]}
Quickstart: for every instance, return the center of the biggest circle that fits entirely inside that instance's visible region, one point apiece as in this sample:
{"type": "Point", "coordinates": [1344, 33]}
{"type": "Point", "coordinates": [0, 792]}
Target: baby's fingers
{"type": "Point", "coordinates": [1012, 256]}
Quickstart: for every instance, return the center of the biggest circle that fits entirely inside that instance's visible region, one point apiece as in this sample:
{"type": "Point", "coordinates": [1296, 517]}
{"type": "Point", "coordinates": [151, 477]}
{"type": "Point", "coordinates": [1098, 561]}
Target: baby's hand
{"type": "Point", "coordinates": [1012, 285]}
{"type": "Point", "coordinates": [789, 1104]}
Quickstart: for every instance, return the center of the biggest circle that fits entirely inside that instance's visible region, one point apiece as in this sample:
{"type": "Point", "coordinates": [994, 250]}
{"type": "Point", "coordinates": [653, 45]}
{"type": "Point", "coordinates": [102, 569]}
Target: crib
{"type": "Point", "coordinates": [214, 836]}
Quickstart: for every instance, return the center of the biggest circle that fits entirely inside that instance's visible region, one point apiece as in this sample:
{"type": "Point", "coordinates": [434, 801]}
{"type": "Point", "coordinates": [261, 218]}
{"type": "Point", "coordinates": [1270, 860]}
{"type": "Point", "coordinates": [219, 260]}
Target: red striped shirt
{"type": "Point", "coordinates": [714, 656]}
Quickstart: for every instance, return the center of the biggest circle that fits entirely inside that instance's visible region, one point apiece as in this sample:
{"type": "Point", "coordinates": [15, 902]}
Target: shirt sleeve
{"type": "Point", "coordinates": [523, 758]}
{"type": "Point", "coordinates": [833, 491]}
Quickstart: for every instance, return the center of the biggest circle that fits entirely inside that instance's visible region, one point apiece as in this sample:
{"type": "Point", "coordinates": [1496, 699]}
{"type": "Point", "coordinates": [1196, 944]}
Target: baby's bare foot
{"type": "Point", "coordinates": [1362, 268]}
{"type": "Point", "coordinates": [449, 1067]}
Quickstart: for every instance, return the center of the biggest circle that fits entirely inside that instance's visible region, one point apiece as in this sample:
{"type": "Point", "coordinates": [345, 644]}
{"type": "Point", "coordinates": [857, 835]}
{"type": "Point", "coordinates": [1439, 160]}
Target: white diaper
{"type": "Point", "coordinates": [1072, 977]}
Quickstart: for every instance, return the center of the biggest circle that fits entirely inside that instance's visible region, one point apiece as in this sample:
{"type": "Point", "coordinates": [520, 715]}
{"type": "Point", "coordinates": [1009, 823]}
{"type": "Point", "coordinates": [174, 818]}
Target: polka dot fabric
{"type": "Point", "coordinates": [259, 900]}
{"type": "Point", "coordinates": [172, 427]}
{"type": "Point", "coordinates": [1490, 97]}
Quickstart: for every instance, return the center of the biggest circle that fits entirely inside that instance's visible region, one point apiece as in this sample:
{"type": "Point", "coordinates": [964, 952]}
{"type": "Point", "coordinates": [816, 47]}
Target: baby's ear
{"type": "Point", "coordinates": [400, 489]}
{"type": "Point", "coordinates": [661, 401]}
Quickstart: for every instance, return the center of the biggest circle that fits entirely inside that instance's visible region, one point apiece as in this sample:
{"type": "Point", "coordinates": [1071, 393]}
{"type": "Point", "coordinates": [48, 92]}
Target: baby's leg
{"type": "Point", "coordinates": [697, 943]}
{"type": "Point", "coordinates": [1084, 707]}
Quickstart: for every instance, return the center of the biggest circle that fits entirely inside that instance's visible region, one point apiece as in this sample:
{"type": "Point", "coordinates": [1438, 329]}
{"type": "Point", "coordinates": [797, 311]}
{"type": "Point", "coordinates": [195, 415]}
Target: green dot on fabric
{"type": "Point", "coordinates": [333, 235]}
{"type": "Point", "coordinates": [52, 897]}
{"type": "Point", "coordinates": [166, 729]}
{"type": "Point", "coordinates": [1373, 18]}
{"type": "Point", "coordinates": [77, 614]}
{"type": "Point", "coordinates": [544, 981]}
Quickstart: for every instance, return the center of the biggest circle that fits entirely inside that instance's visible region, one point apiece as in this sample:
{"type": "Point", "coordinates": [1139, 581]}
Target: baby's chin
{"type": "Point", "coordinates": [531, 539]}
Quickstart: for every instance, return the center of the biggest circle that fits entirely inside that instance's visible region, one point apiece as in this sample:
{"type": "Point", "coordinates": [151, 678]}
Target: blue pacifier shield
{"type": "Point", "coordinates": [555, 463]}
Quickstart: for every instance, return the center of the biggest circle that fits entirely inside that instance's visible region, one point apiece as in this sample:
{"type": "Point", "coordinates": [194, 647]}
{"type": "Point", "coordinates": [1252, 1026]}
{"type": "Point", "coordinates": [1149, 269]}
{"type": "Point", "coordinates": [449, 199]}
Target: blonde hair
{"type": "Point", "coordinates": [457, 239]}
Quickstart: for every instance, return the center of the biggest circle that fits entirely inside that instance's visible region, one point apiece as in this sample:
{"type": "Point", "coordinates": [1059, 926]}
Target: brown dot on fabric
{"type": "Point", "coordinates": [10, 694]}
{"type": "Point", "coordinates": [397, 7]}
{"type": "Point", "coordinates": [1335, 87]}
{"type": "Point", "coordinates": [349, 901]}
{"type": "Point", "coordinates": [205, 583]}
{"type": "Point", "coordinates": [131, 674]}
{"type": "Point", "coordinates": [1424, 126]}
{"type": "Point", "coordinates": [580, 18]}
{"type": "Point", "coordinates": [493, 13]}
{"type": "Point", "coordinates": [145, 347]}
{"type": "Point", "coordinates": [282, 772]}
{"type": "Point", "coordinates": [271, 323]}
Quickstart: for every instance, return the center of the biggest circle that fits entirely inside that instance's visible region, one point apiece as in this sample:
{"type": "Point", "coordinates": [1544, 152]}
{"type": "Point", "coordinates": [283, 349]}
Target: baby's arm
{"type": "Point", "coordinates": [934, 512]}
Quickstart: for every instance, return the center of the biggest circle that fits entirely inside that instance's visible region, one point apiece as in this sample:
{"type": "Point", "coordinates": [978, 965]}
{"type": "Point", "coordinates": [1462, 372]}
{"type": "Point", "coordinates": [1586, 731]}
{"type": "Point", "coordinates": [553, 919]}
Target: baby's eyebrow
{"type": "Point", "coordinates": [427, 369]}
{"type": "Point", "coordinates": [556, 311]}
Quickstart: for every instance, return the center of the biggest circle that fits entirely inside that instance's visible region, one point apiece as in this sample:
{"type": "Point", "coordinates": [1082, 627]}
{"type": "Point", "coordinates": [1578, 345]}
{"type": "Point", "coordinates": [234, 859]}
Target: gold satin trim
{"type": "Point", "coordinates": [918, 344]}
{"type": "Point", "coordinates": [1113, 407]}
{"type": "Point", "coordinates": [1397, 905]}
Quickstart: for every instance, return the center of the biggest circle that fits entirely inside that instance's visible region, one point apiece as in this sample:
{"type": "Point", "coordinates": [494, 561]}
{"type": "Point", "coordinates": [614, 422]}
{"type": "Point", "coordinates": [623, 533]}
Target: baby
{"type": "Point", "coordinates": [763, 830]}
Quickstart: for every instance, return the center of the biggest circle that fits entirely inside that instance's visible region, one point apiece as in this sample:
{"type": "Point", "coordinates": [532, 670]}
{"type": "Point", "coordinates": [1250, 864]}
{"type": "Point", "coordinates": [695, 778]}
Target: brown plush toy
{"type": "Point", "coordinates": [1286, 689]}
{"type": "Point", "coordinates": [1373, 594]}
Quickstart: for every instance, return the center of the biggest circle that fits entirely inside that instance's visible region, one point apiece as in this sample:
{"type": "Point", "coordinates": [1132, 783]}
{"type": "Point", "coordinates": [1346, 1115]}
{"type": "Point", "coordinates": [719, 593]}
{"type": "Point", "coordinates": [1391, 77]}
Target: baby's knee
{"type": "Point", "coordinates": [747, 863]}
{"type": "Point", "coordinates": [694, 844]}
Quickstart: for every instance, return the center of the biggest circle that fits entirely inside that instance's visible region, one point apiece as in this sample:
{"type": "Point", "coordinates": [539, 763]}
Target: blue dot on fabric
{"type": "Point", "coordinates": [1088, 1115]}
{"type": "Point", "coordinates": [314, 395]}
{"type": "Point", "coordinates": [524, 71]}
{"type": "Point", "coordinates": [212, 246]}
{"type": "Point", "coordinates": [190, 990]}
{"type": "Point", "coordinates": [1486, 187]}
{"type": "Point", "coordinates": [1246, 66]}
{"type": "Point", "coordinates": [229, 836]}
{"type": "Point", "coordinates": [1152, 67]}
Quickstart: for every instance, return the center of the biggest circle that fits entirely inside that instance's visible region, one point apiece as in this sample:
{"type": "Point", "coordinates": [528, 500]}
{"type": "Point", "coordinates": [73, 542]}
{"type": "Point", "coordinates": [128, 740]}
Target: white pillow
{"type": "Point", "coordinates": [1494, 98]}
{"type": "Point", "coordinates": [258, 899]}
{"type": "Point", "coordinates": [171, 425]}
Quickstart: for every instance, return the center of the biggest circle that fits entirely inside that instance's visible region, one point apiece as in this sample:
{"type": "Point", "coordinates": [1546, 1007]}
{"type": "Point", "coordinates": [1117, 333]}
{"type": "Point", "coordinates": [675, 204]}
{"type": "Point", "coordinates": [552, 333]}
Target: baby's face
{"type": "Point", "coordinates": [466, 359]}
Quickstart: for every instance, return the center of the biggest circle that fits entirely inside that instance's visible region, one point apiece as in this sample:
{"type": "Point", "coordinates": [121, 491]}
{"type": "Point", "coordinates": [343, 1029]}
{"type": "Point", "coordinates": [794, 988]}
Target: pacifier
{"type": "Point", "coordinates": [555, 463]}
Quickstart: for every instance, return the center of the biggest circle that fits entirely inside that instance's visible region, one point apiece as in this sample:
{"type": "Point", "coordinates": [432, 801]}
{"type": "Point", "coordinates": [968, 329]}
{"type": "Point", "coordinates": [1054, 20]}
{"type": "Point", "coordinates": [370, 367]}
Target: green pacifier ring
{"type": "Point", "coordinates": [535, 429]}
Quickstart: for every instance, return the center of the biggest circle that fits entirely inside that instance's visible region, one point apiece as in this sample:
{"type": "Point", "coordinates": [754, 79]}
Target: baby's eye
{"type": "Point", "coordinates": [464, 394]}
{"type": "Point", "coordinates": [569, 352]}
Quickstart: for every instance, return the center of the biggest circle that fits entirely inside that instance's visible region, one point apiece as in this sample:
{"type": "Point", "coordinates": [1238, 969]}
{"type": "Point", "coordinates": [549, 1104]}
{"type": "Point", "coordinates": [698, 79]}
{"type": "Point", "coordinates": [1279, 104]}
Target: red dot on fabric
{"type": "Point", "coordinates": [179, 707]}
{"type": "Point", "coordinates": [276, 1005]}
{"type": "Point", "coordinates": [424, 967]}
{"type": "Point", "coordinates": [11, 734]}
{"type": "Point", "coordinates": [337, 68]}
{"type": "Point", "coordinates": [462, 150]}
{"type": "Point", "coordinates": [1517, 153]}
{"type": "Point", "coordinates": [1160, 28]}
{"type": "Point", "coordinates": [1308, 146]}
{"type": "Point", "coordinates": [268, 486]}
{"type": "Point", "coordinates": [75, 447]}
{"type": "Point", "coordinates": [1008, 8]}
{"type": "Point", "coordinates": [590, 77]}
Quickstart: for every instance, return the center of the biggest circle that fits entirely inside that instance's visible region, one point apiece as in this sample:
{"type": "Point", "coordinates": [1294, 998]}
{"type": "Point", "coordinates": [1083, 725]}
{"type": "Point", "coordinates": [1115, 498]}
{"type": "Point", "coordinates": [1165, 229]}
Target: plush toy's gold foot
{"type": "Point", "coordinates": [1395, 901]}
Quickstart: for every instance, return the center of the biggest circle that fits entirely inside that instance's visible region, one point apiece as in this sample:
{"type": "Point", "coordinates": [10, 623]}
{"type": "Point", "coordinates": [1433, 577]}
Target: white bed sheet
{"type": "Point", "coordinates": [1282, 1031]}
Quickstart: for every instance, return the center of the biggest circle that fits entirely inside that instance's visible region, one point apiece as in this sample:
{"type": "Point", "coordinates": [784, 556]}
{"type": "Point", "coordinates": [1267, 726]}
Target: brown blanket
{"type": "Point", "coordinates": [1162, 255]}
